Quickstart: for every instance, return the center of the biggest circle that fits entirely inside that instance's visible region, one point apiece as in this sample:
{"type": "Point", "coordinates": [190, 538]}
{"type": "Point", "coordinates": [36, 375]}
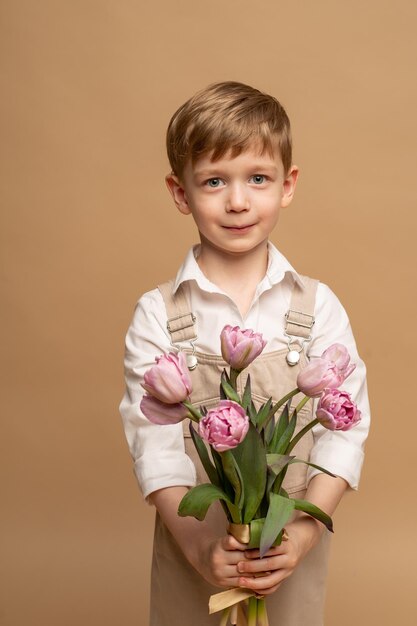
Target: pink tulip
{"type": "Point", "coordinates": [161, 413]}
{"type": "Point", "coordinates": [240, 347]}
{"type": "Point", "coordinates": [225, 426]}
{"type": "Point", "coordinates": [169, 380]}
{"type": "Point", "coordinates": [336, 411]}
{"type": "Point", "coordinates": [326, 372]}
{"type": "Point", "coordinates": [338, 354]}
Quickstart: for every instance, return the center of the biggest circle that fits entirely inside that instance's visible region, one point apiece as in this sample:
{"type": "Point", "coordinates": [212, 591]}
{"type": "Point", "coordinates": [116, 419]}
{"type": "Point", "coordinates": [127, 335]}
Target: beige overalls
{"type": "Point", "coordinates": [179, 595]}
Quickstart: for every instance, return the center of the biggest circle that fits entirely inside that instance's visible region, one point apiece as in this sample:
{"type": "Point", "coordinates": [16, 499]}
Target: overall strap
{"type": "Point", "coordinates": [181, 321]}
{"type": "Point", "coordinates": [299, 319]}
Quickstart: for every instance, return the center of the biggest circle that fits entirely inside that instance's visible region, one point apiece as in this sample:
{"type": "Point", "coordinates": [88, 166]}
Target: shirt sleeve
{"type": "Point", "coordinates": [340, 452]}
{"type": "Point", "coordinates": [157, 451]}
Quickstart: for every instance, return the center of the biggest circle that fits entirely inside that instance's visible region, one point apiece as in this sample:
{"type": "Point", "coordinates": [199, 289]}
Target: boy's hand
{"type": "Point", "coordinates": [303, 534]}
{"type": "Point", "coordinates": [215, 558]}
{"type": "Point", "coordinates": [218, 561]}
{"type": "Point", "coordinates": [265, 575]}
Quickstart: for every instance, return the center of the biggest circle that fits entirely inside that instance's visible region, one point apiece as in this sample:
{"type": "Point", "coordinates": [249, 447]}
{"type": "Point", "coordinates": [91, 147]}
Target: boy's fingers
{"type": "Point", "coordinates": [262, 584]}
{"type": "Point", "coordinates": [258, 566]}
{"type": "Point", "coordinates": [230, 543]}
{"type": "Point", "coordinates": [254, 553]}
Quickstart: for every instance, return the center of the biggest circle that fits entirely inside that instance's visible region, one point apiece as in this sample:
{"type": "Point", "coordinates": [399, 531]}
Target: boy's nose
{"type": "Point", "coordinates": [237, 199]}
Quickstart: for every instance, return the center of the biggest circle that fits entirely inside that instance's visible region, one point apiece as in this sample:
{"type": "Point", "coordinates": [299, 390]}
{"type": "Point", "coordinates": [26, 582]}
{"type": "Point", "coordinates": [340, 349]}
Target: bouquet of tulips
{"type": "Point", "coordinates": [246, 451]}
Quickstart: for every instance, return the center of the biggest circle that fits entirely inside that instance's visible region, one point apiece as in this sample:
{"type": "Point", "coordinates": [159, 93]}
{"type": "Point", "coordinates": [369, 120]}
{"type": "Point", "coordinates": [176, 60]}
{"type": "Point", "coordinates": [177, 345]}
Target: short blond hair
{"type": "Point", "coordinates": [227, 116]}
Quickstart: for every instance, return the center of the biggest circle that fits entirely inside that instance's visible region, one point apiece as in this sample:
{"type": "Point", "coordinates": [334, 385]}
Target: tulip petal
{"type": "Point", "coordinates": [161, 413]}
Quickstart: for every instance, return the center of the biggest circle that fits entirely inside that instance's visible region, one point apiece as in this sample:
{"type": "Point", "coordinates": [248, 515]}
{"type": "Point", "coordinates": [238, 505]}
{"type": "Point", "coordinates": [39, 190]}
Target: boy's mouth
{"type": "Point", "coordinates": [239, 229]}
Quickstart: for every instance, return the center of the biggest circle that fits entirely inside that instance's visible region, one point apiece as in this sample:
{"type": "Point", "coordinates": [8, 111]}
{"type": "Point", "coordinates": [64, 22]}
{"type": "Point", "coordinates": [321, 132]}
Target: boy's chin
{"type": "Point", "coordinates": [239, 249]}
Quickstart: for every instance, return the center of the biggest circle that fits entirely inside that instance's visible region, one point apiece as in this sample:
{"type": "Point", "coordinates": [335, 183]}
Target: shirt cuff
{"type": "Point", "coordinates": [341, 459]}
{"type": "Point", "coordinates": [173, 470]}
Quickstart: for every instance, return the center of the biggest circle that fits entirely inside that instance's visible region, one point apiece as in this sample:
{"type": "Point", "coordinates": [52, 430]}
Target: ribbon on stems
{"type": "Point", "coordinates": [229, 601]}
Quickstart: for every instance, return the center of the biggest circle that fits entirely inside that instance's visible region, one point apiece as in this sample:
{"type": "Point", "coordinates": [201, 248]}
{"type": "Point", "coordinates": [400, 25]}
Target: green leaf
{"type": "Point", "coordinates": [231, 511]}
{"type": "Point", "coordinates": [196, 502]}
{"type": "Point", "coordinates": [263, 413]}
{"type": "Point", "coordinates": [280, 428]}
{"type": "Point", "coordinates": [314, 511]}
{"type": "Point", "coordinates": [225, 484]}
{"type": "Point", "coordinates": [252, 413]}
{"type": "Point", "coordinates": [224, 376]}
{"type": "Point", "coordinates": [204, 457]}
{"type": "Point", "coordinates": [301, 433]}
{"type": "Point", "coordinates": [268, 432]}
{"type": "Point", "coordinates": [276, 487]}
{"type": "Point", "coordinates": [228, 390]}
{"type": "Point", "coordinates": [271, 476]}
{"type": "Point", "coordinates": [286, 437]}
{"type": "Point", "coordinates": [256, 526]}
{"type": "Point", "coordinates": [279, 512]}
{"type": "Point", "coordinates": [247, 394]}
{"type": "Point", "coordinates": [232, 471]}
{"type": "Point", "coordinates": [251, 459]}
{"type": "Point", "coordinates": [277, 462]}
{"type": "Point", "coordinates": [322, 469]}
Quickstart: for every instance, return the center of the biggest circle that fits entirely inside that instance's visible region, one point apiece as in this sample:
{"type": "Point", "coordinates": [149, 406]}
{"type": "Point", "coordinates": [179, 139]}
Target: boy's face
{"type": "Point", "coordinates": [235, 202]}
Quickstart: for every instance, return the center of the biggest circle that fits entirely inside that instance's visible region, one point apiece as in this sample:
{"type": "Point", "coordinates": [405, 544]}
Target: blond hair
{"type": "Point", "coordinates": [227, 116]}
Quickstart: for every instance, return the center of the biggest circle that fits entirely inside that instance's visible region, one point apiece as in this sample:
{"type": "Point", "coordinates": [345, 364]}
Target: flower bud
{"type": "Point", "coordinates": [337, 353]}
{"type": "Point", "coordinates": [169, 380]}
{"type": "Point", "coordinates": [326, 372]}
{"type": "Point", "coordinates": [336, 410]}
{"type": "Point", "coordinates": [240, 347]}
{"type": "Point", "coordinates": [225, 426]}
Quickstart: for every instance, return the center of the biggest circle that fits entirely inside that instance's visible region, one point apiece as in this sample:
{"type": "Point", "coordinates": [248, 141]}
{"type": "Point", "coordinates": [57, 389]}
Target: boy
{"type": "Point", "coordinates": [230, 152]}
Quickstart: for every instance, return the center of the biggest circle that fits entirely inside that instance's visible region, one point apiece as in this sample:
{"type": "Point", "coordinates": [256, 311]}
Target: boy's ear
{"type": "Point", "coordinates": [289, 186]}
{"type": "Point", "coordinates": [177, 192]}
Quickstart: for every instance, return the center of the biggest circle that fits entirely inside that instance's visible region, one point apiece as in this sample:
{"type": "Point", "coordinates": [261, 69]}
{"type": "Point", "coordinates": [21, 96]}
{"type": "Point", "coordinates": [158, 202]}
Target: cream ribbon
{"type": "Point", "coordinates": [227, 598]}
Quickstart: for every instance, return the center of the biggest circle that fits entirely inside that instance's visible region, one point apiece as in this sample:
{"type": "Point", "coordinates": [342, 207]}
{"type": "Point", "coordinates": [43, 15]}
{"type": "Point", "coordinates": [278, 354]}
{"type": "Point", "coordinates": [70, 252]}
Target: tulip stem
{"type": "Point", "coordinates": [225, 617]}
{"type": "Point", "coordinates": [301, 434]}
{"type": "Point", "coordinates": [194, 414]}
{"type": "Point", "coordinates": [279, 404]}
{"type": "Point", "coordinates": [253, 611]}
{"type": "Point", "coordinates": [301, 404]}
{"type": "Point", "coordinates": [233, 377]}
{"type": "Point", "coordinates": [262, 613]}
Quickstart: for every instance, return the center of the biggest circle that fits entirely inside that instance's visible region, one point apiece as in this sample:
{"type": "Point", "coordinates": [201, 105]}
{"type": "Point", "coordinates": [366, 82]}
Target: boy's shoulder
{"type": "Point", "coordinates": [326, 297]}
{"type": "Point", "coordinates": [150, 300]}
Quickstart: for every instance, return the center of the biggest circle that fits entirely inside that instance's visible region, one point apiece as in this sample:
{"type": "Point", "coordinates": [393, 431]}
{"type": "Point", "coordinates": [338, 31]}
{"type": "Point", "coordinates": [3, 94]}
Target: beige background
{"type": "Point", "coordinates": [88, 87]}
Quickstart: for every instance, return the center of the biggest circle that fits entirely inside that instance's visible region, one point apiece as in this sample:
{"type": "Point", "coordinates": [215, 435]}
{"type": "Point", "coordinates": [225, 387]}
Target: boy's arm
{"type": "Point", "coordinates": [303, 534]}
{"type": "Point", "coordinates": [158, 451]}
{"type": "Point", "coordinates": [338, 451]}
{"type": "Point", "coordinates": [214, 558]}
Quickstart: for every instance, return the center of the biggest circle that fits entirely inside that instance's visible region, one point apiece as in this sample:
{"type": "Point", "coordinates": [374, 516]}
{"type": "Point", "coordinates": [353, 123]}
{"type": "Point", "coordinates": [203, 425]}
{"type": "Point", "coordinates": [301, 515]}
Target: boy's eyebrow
{"type": "Point", "coordinates": [254, 167]}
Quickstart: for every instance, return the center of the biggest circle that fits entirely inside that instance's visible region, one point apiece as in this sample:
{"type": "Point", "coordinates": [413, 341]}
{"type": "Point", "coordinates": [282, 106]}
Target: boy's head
{"type": "Point", "coordinates": [227, 116]}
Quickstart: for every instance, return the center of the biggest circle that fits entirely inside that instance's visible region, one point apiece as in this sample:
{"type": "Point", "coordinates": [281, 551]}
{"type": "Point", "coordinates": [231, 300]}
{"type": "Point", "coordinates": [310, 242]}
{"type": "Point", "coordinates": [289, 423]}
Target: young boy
{"type": "Point", "coordinates": [230, 152]}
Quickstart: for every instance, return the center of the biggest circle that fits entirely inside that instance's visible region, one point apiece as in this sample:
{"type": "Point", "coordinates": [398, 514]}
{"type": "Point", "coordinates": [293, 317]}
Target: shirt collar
{"type": "Point", "coordinates": [278, 267]}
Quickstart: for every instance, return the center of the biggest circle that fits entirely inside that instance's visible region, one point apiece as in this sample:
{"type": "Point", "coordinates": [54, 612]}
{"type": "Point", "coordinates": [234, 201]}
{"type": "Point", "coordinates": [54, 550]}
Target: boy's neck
{"type": "Point", "coordinates": [237, 275]}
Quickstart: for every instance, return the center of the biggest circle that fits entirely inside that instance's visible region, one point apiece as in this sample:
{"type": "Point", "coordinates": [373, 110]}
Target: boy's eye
{"type": "Point", "coordinates": [258, 179]}
{"type": "Point", "coordinates": [214, 182]}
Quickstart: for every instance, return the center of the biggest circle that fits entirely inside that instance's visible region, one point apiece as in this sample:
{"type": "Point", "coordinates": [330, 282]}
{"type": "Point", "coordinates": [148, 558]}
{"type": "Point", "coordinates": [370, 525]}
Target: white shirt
{"type": "Point", "coordinates": [158, 451]}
